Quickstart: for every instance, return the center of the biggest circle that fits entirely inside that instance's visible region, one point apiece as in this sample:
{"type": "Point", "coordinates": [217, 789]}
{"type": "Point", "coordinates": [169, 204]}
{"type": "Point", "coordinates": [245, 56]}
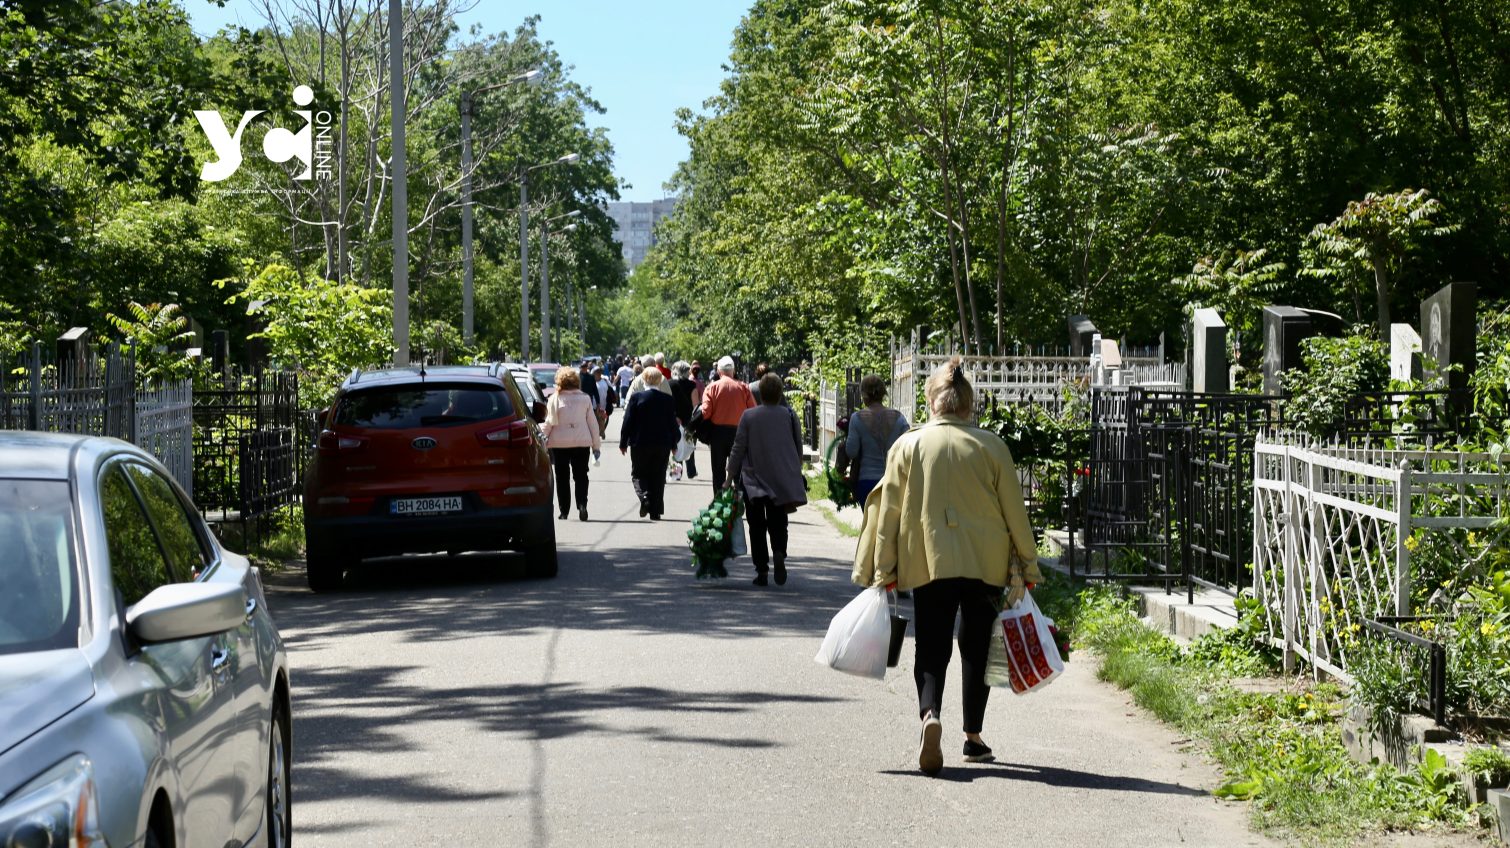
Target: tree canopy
{"type": "Point", "coordinates": [989, 168]}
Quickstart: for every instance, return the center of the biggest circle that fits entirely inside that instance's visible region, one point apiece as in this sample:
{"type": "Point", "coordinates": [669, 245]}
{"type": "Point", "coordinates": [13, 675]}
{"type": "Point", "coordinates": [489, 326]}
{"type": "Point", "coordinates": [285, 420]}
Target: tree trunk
{"type": "Point", "coordinates": [1381, 285]}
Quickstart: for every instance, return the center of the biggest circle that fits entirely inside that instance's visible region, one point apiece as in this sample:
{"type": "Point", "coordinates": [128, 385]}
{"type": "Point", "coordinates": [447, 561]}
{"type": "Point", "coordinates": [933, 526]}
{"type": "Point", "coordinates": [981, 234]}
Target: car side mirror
{"type": "Point", "coordinates": [537, 412]}
{"type": "Point", "coordinates": [187, 610]}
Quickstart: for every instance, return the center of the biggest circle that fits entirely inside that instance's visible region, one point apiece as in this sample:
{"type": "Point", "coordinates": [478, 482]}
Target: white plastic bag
{"type": "Point", "coordinates": [859, 637]}
{"type": "Point", "coordinates": [685, 447]}
{"type": "Point", "coordinates": [1023, 656]}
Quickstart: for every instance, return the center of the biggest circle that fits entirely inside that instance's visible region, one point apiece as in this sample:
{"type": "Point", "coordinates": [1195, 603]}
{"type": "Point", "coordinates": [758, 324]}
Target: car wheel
{"type": "Point", "coordinates": [540, 556]}
{"type": "Point", "coordinates": [279, 824]}
{"type": "Point", "coordinates": [323, 570]}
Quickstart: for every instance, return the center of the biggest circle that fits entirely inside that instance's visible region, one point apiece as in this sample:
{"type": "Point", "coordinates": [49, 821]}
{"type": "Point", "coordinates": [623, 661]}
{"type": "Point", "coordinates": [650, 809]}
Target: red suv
{"type": "Point", "coordinates": [410, 460]}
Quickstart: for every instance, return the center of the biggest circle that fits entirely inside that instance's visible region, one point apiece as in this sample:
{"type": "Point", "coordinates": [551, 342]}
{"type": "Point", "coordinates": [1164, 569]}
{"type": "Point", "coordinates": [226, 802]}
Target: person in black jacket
{"type": "Point", "coordinates": [650, 429]}
{"type": "Point", "coordinates": [684, 392]}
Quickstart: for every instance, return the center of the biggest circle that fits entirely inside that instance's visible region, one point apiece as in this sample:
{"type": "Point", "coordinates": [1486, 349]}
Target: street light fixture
{"type": "Point", "coordinates": [545, 280]}
{"type": "Point", "coordinates": [524, 256]}
{"type": "Point", "coordinates": [531, 77]}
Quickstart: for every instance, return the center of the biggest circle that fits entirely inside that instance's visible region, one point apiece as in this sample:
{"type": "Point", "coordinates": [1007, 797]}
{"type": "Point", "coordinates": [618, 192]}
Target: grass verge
{"type": "Point", "coordinates": [1281, 750]}
{"type": "Point", "coordinates": [282, 538]}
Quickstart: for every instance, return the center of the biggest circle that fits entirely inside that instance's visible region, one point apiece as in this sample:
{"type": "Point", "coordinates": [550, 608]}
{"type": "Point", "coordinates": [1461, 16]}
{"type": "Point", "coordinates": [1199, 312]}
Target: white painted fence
{"type": "Point", "coordinates": [1331, 531]}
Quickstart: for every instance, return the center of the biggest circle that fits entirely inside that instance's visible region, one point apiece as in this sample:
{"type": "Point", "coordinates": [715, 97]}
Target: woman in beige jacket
{"type": "Point", "coordinates": [948, 522]}
{"type": "Point", "coordinates": [571, 433]}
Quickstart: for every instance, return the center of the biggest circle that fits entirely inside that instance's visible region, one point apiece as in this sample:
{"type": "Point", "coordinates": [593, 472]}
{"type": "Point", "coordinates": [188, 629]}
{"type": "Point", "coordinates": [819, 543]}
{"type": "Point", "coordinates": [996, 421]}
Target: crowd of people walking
{"type": "Point", "coordinates": [944, 515]}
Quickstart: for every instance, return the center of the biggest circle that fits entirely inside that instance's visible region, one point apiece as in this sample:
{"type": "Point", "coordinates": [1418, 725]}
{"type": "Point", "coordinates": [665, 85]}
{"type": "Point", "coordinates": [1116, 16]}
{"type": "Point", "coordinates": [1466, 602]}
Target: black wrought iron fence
{"type": "Point", "coordinates": [96, 394]}
{"type": "Point", "coordinates": [1170, 491]}
{"type": "Point", "coordinates": [250, 442]}
{"type": "Point", "coordinates": [1422, 418]}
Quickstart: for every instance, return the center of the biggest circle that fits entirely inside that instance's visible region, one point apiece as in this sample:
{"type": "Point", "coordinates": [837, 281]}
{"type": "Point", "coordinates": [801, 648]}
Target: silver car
{"type": "Point", "coordinates": [143, 686]}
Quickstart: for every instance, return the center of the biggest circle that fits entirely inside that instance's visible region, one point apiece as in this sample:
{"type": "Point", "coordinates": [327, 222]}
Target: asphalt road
{"type": "Point", "coordinates": [451, 701]}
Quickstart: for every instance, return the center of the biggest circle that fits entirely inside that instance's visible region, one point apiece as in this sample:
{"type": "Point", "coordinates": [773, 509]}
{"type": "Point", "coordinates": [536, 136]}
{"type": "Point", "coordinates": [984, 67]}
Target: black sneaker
{"type": "Point", "coordinates": [644, 510]}
{"type": "Point", "coordinates": [582, 514]}
{"type": "Point", "coordinates": [780, 574]}
{"type": "Point", "coordinates": [975, 752]}
{"type": "Point", "coordinates": [760, 579]}
{"type": "Point", "coordinates": [563, 515]}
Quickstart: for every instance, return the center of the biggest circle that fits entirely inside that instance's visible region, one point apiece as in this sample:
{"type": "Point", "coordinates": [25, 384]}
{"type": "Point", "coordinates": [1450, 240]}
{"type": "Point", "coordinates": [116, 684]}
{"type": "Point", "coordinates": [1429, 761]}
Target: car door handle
{"type": "Point", "coordinates": [251, 608]}
{"type": "Point", "coordinates": [219, 657]}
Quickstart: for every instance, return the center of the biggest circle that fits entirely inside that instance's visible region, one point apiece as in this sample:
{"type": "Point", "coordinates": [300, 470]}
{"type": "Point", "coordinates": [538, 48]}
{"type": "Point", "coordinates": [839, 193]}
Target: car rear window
{"type": "Point", "coordinates": [39, 601]}
{"type": "Point", "coordinates": [544, 379]}
{"type": "Point", "coordinates": [430, 405]}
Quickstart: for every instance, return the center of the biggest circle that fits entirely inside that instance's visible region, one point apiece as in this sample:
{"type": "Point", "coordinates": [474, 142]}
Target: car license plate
{"type": "Point", "coordinates": [425, 506]}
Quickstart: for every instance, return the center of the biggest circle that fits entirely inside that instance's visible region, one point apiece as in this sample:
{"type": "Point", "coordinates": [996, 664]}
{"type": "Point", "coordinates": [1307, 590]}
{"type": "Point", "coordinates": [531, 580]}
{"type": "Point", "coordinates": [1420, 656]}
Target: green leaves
{"type": "Point", "coordinates": [322, 327]}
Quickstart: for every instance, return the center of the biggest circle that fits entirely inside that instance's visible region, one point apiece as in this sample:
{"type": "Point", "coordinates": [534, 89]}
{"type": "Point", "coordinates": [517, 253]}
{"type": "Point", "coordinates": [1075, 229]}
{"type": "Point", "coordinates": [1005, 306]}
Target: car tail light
{"type": "Point", "coordinates": [514, 434]}
{"type": "Point", "coordinates": [331, 442]}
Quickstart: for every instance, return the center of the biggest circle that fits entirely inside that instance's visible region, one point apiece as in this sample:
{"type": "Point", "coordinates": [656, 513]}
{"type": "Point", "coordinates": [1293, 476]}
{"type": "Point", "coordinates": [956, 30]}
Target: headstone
{"type": "Point", "coordinates": [1285, 327]}
{"type": "Point", "coordinates": [197, 329]}
{"type": "Point", "coordinates": [1082, 333]}
{"type": "Point", "coordinates": [72, 349]}
{"type": "Point", "coordinates": [1404, 353]}
{"type": "Point", "coordinates": [1208, 352]}
{"type": "Point", "coordinates": [1447, 332]}
{"type": "Point", "coordinates": [220, 351]}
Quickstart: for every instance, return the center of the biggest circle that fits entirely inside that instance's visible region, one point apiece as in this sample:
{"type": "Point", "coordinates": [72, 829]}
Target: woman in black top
{"type": "Point", "coordinates": [684, 392]}
{"type": "Point", "coordinates": [650, 429]}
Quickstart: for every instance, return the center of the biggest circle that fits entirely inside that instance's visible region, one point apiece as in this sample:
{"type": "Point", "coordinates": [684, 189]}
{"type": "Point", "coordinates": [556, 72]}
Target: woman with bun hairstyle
{"type": "Point", "coordinates": [949, 523]}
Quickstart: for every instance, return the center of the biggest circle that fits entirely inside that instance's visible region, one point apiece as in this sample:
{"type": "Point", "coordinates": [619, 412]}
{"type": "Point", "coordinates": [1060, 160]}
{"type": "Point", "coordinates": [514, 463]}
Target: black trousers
{"type": "Point", "coordinates": [647, 470]}
{"type": "Point", "coordinates": [766, 518]}
{"type": "Point", "coordinates": [721, 443]}
{"type": "Point", "coordinates": [691, 464]}
{"type": "Point", "coordinates": [571, 463]}
{"type": "Point", "coordinates": [934, 606]}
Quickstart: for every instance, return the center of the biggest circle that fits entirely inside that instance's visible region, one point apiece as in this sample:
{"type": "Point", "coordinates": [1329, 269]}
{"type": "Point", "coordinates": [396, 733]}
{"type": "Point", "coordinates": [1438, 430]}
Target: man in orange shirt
{"type": "Point", "coordinates": [724, 401]}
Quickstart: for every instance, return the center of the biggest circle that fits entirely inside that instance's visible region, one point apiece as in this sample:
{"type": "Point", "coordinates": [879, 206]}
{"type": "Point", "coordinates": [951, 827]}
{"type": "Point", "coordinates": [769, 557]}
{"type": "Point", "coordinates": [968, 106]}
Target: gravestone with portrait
{"type": "Point", "coordinates": [1285, 327]}
{"type": "Point", "coordinates": [1208, 352]}
{"type": "Point", "coordinates": [1448, 334]}
{"type": "Point", "coordinates": [1082, 332]}
{"type": "Point", "coordinates": [1404, 353]}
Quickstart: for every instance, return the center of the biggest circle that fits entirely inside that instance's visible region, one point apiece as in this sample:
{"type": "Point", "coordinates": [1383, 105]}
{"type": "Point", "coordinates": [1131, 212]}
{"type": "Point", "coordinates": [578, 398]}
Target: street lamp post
{"type": "Point", "coordinates": [524, 254]}
{"type": "Point", "coordinates": [467, 99]}
{"type": "Point", "coordinates": [545, 280]}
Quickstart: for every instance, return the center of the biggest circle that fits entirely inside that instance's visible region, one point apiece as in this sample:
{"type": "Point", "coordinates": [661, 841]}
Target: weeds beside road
{"type": "Point", "coordinates": [1280, 746]}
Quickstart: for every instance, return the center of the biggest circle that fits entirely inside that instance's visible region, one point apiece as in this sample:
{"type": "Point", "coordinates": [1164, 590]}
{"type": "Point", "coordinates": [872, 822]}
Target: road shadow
{"type": "Point", "coordinates": [1051, 776]}
{"type": "Point", "coordinates": [645, 590]}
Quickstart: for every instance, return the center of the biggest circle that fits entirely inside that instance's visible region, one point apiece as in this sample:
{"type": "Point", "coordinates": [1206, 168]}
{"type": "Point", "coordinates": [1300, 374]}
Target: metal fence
{"type": "Point", "coordinates": [1169, 494]}
{"type": "Point", "coordinates": [250, 441]}
{"type": "Point", "coordinates": [1334, 530]}
{"type": "Point", "coordinates": [96, 394]}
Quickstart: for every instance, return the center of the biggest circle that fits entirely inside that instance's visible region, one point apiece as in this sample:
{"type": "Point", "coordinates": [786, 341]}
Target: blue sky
{"type": "Point", "coordinates": [642, 60]}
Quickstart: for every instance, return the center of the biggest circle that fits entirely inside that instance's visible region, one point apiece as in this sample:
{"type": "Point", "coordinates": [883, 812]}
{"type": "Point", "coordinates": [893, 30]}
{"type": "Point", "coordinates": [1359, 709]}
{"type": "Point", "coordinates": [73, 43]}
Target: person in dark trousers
{"type": "Point", "coordinates": [684, 392]}
{"type": "Point", "coordinates": [949, 523]}
{"type": "Point", "coordinates": [766, 464]}
{"type": "Point", "coordinates": [872, 432]}
{"type": "Point", "coordinates": [724, 401]}
{"type": "Point", "coordinates": [648, 434]}
{"type": "Point", "coordinates": [571, 434]}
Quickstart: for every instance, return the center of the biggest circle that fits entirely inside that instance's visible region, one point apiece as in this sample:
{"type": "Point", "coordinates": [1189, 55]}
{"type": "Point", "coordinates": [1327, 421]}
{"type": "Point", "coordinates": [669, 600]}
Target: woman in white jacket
{"type": "Point", "coordinates": [571, 433]}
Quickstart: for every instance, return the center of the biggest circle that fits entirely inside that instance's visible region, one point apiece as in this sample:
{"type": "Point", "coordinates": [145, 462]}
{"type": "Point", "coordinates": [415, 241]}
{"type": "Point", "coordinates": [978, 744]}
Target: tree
{"type": "Point", "coordinates": [1376, 234]}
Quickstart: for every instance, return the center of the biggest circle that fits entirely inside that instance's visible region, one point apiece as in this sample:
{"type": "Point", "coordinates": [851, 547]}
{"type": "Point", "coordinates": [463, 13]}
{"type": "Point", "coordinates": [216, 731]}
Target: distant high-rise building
{"type": "Point", "coordinates": [636, 226]}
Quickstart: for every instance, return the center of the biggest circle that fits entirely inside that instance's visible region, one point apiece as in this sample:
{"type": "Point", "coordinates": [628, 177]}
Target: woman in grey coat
{"type": "Point", "coordinates": [766, 462]}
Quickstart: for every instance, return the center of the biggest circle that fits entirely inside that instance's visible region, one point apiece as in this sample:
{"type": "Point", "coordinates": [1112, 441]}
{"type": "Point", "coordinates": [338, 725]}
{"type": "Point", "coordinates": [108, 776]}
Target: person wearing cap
{"type": "Point", "coordinates": [949, 523]}
{"type": "Point", "coordinates": [724, 403]}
